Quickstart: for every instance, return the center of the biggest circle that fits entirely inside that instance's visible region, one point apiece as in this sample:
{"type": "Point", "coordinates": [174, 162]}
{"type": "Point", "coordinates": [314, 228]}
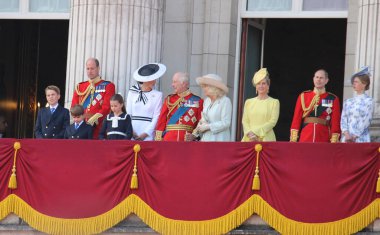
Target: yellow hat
{"type": "Point", "coordinates": [260, 75]}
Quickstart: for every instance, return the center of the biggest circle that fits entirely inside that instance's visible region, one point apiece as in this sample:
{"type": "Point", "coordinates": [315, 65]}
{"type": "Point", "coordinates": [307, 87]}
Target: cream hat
{"type": "Point", "coordinates": [260, 75]}
{"type": "Point", "coordinates": [212, 80]}
{"type": "Point", "coordinates": [149, 72]}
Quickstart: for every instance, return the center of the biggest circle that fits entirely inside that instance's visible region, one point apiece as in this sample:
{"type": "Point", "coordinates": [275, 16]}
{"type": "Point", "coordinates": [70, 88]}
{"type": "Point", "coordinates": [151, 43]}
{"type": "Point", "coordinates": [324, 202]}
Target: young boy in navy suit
{"type": "Point", "coordinates": [79, 129]}
{"type": "Point", "coordinates": [52, 120]}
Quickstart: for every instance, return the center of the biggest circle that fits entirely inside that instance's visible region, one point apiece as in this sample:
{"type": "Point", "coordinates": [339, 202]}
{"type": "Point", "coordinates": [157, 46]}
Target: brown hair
{"type": "Point", "coordinates": [119, 98]}
{"type": "Point", "coordinates": [364, 79]}
{"type": "Point", "coordinates": [77, 110]}
{"type": "Point", "coordinates": [53, 88]}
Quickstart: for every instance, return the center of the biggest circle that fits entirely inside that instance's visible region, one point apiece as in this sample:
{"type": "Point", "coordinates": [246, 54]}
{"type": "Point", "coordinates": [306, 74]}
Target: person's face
{"type": "Point", "coordinates": [150, 84]}
{"type": "Point", "coordinates": [116, 106]}
{"type": "Point", "coordinates": [78, 119]}
{"type": "Point", "coordinates": [358, 86]}
{"type": "Point", "coordinates": [206, 90]}
{"type": "Point", "coordinates": [262, 87]}
{"type": "Point", "coordinates": [52, 97]}
{"type": "Point", "coordinates": [3, 125]}
{"type": "Point", "coordinates": [91, 69]}
{"type": "Point", "coordinates": [178, 85]}
{"type": "Point", "coordinates": [320, 79]}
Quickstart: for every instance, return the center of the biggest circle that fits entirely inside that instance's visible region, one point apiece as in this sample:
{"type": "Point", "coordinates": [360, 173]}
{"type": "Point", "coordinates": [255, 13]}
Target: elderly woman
{"type": "Point", "coordinates": [357, 111]}
{"type": "Point", "coordinates": [261, 113]}
{"type": "Point", "coordinates": [144, 102]}
{"type": "Point", "coordinates": [217, 111]}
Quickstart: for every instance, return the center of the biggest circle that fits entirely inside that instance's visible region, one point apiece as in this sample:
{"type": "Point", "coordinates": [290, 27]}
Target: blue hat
{"type": "Point", "coordinates": [363, 71]}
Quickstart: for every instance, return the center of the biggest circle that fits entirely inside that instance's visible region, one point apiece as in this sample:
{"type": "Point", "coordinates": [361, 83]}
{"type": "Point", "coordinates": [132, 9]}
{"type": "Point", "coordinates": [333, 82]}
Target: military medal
{"type": "Point", "coordinates": [328, 110]}
{"type": "Point", "coordinates": [99, 97]}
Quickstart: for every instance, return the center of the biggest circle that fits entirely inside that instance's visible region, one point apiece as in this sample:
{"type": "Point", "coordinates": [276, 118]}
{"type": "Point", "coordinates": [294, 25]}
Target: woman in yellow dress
{"type": "Point", "coordinates": [260, 113]}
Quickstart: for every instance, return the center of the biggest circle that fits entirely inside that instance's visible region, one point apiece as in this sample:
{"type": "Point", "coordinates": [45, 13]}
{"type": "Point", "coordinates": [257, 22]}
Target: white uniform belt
{"type": "Point", "coordinates": [116, 133]}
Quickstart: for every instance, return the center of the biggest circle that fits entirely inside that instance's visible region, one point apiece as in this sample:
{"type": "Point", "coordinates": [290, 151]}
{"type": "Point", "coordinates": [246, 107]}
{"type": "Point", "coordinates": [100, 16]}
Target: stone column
{"type": "Point", "coordinates": [368, 53]}
{"type": "Point", "coordinates": [122, 34]}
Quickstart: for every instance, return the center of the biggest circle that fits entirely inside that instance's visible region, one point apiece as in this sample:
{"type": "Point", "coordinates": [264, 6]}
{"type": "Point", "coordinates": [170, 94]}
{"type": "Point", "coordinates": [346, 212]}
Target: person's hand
{"type": "Point", "coordinates": [189, 137]}
{"type": "Point", "coordinates": [348, 138]}
{"type": "Point", "coordinates": [203, 127]}
{"type": "Point", "coordinates": [142, 136]}
{"type": "Point", "coordinates": [252, 136]}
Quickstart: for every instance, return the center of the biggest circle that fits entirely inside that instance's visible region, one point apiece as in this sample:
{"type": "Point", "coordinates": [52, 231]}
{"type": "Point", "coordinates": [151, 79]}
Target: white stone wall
{"type": "Point", "coordinates": [199, 38]}
{"type": "Point", "coordinates": [122, 34]}
{"type": "Point", "coordinates": [363, 48]}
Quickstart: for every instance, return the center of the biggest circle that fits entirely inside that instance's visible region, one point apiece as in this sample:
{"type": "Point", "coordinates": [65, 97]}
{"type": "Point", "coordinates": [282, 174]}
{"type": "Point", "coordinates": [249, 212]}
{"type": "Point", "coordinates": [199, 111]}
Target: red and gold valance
{"type": "Point", "coordinates": [84, 187]}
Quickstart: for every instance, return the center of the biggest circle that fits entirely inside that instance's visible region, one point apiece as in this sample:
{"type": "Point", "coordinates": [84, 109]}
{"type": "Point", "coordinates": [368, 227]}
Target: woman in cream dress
{"type": "Point", "coordinates": [217, 111]}
{"type": "Point", "coordinates": [260, 113]}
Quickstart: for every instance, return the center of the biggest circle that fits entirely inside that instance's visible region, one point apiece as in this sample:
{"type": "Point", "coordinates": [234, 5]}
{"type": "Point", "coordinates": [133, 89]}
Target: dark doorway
{"type": "Point", "coordinates": [33, 56]}
{"type": "Point", "coordinates": [293, 50]}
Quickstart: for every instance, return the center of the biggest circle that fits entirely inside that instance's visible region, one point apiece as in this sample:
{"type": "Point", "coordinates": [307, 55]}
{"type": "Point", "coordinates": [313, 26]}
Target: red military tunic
{"type": "Point", "coordinates": [316, 118]}
{"type": "Point", "coordinates": [179, 115]}
{"type": "Point", "coordinates": [96, 100]}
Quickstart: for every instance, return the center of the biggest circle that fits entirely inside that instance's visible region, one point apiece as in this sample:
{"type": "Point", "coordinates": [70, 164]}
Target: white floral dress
{"type": "Point", "coordinates": [356, 117]}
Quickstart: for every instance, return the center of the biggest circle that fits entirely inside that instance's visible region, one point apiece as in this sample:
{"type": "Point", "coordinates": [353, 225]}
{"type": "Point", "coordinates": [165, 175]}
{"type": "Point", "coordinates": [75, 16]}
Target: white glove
{"type": "Point", "coordinates": [204, 127]}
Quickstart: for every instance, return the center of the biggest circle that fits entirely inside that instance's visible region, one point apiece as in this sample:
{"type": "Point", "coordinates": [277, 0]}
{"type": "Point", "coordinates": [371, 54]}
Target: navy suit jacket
{"type": "Point", "coordinates": [52, 126]}
{"type": "Point", "coordinates": [83, 132]}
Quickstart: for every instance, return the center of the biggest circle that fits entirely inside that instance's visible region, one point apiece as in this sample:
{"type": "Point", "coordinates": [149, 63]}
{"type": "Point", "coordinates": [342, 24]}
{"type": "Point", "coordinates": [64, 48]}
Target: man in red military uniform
{"type": "Point", "coordinates": [180, 112]}
{"type": "Point", "coordinates": [317, 114]}
{"type": "Point", "coordinates": [94, 95]}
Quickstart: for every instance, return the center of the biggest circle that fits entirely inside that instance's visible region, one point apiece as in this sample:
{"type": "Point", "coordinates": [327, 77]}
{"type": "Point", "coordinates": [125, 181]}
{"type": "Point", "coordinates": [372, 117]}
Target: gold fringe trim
{"type": "Point", "coordinates": [163, 225]}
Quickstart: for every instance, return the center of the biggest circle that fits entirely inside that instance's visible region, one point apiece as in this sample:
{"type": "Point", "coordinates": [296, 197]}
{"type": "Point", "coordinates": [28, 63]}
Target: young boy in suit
{"type": "Point", "coordinates": [79, 129]}
{"type": "Point", "coordinates": [52, 120]}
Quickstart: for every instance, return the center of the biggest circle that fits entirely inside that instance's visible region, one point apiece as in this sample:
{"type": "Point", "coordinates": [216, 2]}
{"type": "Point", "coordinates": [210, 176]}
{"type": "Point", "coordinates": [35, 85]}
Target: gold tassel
{"type": "Point", "coordinates": [134, 180]}
{"type": "Point", "coordinates": [256, 178]}
{"type": "Point", "coordinates": [13, 180]}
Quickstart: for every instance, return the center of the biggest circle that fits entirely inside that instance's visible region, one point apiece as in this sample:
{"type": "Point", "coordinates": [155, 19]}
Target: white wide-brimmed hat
{"type": "Point", "coordinates": [149, 72]}
{"type": "Point", "coordinates": [212, 80]}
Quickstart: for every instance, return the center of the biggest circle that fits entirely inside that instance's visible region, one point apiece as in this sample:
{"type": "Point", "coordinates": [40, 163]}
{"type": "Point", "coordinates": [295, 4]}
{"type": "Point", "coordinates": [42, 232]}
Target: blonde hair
{"type": "Point", "coordinates": [214, 91]}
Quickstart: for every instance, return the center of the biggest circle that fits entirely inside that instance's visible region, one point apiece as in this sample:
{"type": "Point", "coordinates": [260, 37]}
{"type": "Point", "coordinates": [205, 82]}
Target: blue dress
{"type": "Point", "coordinates": [116, 128]}
{"type": "Point", "coordinates": [356, 117]}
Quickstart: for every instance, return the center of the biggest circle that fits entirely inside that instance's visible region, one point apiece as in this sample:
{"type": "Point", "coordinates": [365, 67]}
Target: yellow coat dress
{"type": "Point", "coordinates": [260, 116]}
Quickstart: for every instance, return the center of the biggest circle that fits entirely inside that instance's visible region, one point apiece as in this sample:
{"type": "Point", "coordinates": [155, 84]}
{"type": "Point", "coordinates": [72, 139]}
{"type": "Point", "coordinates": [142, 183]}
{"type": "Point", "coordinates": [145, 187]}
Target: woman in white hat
{"type": "Point", "coordinates": [217, 111]}
{"type": "Point", "coordinates": [261, 113]}
{"type": "Point", "coordinates": [144, 102]}
{"type": "Point", "coordinates": [357, 111]}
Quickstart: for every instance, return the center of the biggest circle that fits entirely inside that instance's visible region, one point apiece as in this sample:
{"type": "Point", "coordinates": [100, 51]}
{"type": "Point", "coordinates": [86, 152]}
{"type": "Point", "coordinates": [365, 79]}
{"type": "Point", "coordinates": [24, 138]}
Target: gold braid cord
{"type": "Point", "coordinates": [89, 90]}
{"type": "Point", "coordinates": [313, 102]}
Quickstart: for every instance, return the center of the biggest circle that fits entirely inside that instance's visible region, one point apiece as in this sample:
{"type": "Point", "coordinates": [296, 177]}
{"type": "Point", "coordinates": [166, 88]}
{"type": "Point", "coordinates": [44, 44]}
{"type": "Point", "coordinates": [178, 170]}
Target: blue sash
{"type": "Point", "coordinates": [98, 89]}
{"type": "Point", "coordinates": [182, 110]}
